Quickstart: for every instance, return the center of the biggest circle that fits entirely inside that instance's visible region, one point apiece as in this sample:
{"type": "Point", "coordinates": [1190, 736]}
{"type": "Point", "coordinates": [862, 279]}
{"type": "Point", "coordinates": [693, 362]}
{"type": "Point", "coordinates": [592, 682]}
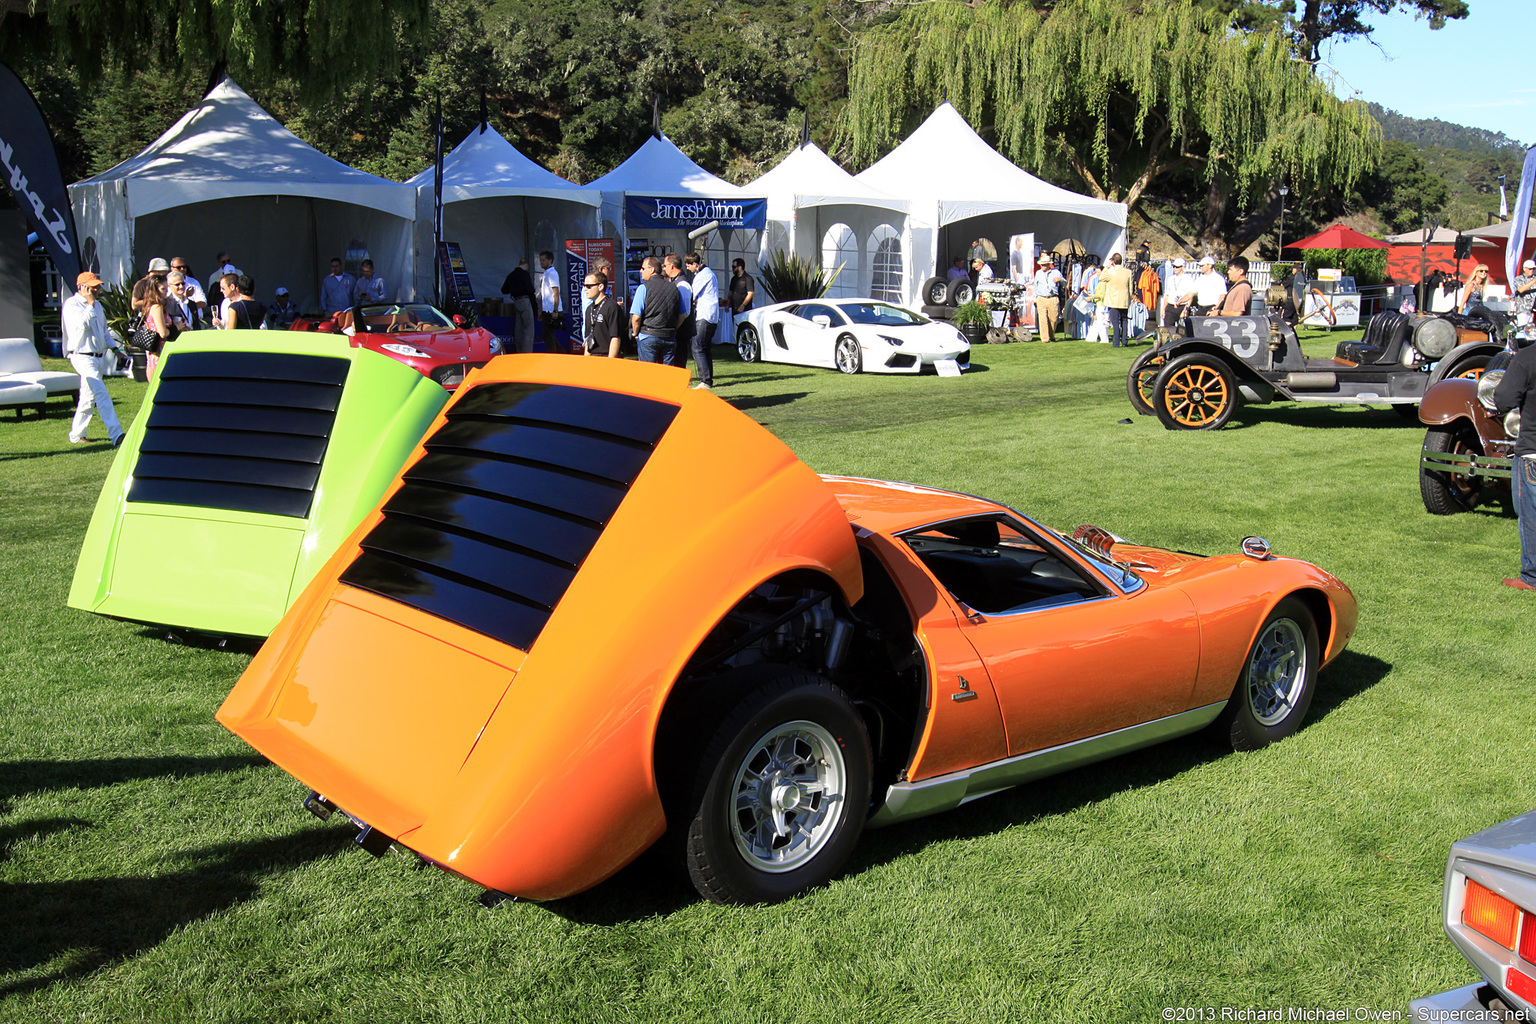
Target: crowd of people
{"type": "Point", "coordinates": [677, 310]}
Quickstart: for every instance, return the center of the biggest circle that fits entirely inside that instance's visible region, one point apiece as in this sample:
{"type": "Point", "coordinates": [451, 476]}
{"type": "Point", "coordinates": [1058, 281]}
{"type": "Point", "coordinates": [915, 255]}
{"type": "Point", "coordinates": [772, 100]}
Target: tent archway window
{"type": "Point", "coordinates": [840, 249]}
{"type": "Point", "coordinates": [885, 280]}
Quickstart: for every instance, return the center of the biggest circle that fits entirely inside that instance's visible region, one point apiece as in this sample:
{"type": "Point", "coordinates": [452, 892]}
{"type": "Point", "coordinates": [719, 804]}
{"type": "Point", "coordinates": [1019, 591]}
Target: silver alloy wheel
{"type": "Point", "coordinates": [788, 796]}
{"type": "Point", "coordinates": [1277, 671]}
{"type": "Point", "coordinates": [849, 358]}
{"type": "Point", "coordinates": [746, 344]}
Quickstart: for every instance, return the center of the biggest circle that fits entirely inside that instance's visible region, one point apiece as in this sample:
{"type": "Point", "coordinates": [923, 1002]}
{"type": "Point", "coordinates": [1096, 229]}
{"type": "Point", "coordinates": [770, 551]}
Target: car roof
{"type": "Point", "coordinates": [887, 506]}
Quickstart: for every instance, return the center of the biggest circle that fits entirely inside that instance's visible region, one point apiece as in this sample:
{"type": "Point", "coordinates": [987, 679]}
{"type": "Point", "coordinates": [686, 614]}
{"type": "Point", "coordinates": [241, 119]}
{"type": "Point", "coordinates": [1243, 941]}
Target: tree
{"type": "Point", "coordinates": [1121, 100]}
{"type": "Point", "coordinates": [323, 45]}
{"type": "Point", "coordinates": [1402, 189]}
{"type": "Point", "coordinates": [1321, 20]}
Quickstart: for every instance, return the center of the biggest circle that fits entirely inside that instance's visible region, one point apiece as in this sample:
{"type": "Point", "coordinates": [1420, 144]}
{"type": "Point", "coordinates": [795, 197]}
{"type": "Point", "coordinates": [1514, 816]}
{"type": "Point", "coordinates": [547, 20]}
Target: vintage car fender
{"type": "Point", "coordinates": [449, 739]}
{"type": "Point", "coordinates": [205, 521]}
{"type": "Point", "coordinates": [1455, 360]}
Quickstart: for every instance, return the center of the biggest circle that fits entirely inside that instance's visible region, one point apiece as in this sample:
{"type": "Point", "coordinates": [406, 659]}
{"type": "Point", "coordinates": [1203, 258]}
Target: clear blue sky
{"type": "Point", "coordinates": [1475, 72]}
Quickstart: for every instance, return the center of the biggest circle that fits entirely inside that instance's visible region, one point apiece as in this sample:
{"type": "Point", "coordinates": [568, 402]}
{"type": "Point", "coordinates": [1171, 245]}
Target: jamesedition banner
{"type": "Point", "coordinates": [687, 214]}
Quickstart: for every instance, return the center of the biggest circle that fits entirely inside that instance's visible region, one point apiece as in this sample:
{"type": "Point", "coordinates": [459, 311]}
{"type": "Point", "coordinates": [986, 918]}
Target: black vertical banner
{"type": "Point", "coordinates": [31, 170]}
{"type": "Point", "coordinates": [437, 197]}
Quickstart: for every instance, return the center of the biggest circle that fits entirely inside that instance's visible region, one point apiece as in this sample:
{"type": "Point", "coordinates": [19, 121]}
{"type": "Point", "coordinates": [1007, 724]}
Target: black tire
{"type": "Point", "coordinates": [959, 292]}
{"type": "Point", "coordinates": [1194, 392]}
{"type": "Point", "coordinates": [1139, 382]}
{"type": "Point", "coordinates": [1446, 494]}
{"type": "Point", "coordinates": [748, 347]}
{"type": "Point", "coordinates": [733, 849]}
{"type": "Point", "coordinates": [935, 291]}
{"type": "Point", "coordinates": [847, 356]}
{"type": "Point", "coordinates": [1279, 677]}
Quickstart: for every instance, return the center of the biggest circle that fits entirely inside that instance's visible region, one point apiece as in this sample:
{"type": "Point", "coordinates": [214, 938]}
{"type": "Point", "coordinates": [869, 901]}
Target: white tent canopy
{"type": "Point", "coordinates": [963, 189]}
{"type": "Point", "coordinates": [228, 176]}
{"type": "Point", "coordinates": [498, 205]}
{"type": "Point", "coordinates": [660, 169]}
{"type": "Point", "coordinates": [818, 210]}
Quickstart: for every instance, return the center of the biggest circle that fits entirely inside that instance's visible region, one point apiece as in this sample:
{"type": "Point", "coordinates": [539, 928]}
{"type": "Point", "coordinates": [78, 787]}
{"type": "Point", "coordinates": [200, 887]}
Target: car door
{"type": "Point", "coordinates": [810, 334]}
{"type": "Point", "coordinates": [1068, 653]}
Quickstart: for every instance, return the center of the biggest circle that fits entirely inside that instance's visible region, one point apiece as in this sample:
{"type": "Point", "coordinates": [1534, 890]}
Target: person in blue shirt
{"type": "Point", "coordinates": [672, 266]}
{"type": "Point", "coordinates": [655, 313]}
{"type": "Point", "coordinates": [706, 293]}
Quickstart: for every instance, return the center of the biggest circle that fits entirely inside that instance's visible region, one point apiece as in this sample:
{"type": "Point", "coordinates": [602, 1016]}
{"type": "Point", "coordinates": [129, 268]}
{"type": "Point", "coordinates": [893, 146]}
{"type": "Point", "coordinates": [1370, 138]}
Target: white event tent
{"type": "Point", "coordinates": [962, 190]}
{"type": "Point", "coordinates": [657, 196]}
{"type": "Point", "coordinates": [498, 205]}
{"type": "Point", "coordinates": [228, 176]}
{"type": "Point", "coordinates": [817, 210]}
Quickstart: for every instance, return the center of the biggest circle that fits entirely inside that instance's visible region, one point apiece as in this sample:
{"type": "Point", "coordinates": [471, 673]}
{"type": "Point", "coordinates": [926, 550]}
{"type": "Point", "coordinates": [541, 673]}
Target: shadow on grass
{"type": "Point", "coordinates": [655, 885]}
{"type": "Point", "coordinates": [19, 777]}
{"type": "Point", "coordinates": [760, 376]}
{"type": "Point", "coordinates": [10, 835]}
{"type": "Point", "coordinates": [203, 641]}
{"type": "Point", "coordinates": [71, 928]}
{"type": "Point", "coordinates": [767, 401]}
{"type": "Point", "coordinates": [1324, 416]}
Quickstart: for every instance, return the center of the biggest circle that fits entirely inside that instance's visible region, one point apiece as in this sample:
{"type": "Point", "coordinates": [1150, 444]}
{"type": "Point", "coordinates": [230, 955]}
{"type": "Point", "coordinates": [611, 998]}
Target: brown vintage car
{"type": "Point", "coordinates": [1467, 449]}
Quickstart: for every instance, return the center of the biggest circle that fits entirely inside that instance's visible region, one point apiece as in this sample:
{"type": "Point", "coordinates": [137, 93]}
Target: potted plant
{"type": "Point", "coordinates": [973, 319]}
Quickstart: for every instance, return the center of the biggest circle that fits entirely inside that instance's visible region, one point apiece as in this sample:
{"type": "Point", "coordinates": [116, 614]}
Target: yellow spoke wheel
{"type": "Point", "coordinates": [1194, 392]}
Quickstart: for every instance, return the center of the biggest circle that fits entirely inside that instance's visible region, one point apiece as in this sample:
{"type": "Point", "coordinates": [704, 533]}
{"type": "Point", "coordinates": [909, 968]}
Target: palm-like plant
{"type": "Point", "coordinates": [791, 278]}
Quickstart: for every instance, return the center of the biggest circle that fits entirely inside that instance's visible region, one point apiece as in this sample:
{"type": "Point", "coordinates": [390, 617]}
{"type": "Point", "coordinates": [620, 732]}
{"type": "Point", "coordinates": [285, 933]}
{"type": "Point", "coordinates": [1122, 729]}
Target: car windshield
{"type": "Point", "coordinates": [1118, 574]}
{"type": "Point", "coordinates": [407, 316]}
{"type": "Point", "coordinates": [880, 314]}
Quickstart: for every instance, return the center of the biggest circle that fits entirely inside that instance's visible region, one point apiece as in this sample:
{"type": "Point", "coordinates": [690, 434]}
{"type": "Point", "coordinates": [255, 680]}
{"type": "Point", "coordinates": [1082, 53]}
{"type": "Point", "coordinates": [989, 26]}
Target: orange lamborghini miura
{"type": "Point", "coordinates": [597, 608]}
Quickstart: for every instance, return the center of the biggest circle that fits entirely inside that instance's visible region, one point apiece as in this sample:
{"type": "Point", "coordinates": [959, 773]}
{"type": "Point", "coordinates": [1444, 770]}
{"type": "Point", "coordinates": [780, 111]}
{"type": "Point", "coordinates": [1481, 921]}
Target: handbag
{"type": "Point", "coordinates": [141, 336]}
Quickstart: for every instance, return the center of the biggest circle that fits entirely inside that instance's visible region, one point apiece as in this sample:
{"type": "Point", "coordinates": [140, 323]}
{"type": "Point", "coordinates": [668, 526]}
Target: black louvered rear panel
{"type": "Point", "coordinates": [493, 523]}
{"type": "Point", "coordinates": [245, 431]}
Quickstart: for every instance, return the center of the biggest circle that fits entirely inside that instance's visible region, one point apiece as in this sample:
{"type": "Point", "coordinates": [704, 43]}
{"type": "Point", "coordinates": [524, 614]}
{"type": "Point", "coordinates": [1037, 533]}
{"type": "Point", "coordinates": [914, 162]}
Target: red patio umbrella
{"type": "Point", "coordinates": [1340, 236]}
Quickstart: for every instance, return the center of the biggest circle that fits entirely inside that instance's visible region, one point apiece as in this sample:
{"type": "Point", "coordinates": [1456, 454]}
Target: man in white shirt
{"type": "Point", "coordinates": [983, 271]}
{"type": "Point", "coordinates": [368, 288]}
{"type": "Point", "coordinates": [1047, 303]}
{"type": "Point", "coordinates": [1180, 292]}
{"type": "Point", "coordinates": [706, 304]}
{"type": "Point", "coordinates": [549, 299]}
{"type": "Point", "coordinates": [336, 290]}
{"type": "Point", "coordinates": [86, 343]}
{"type": "Point", "coordinates": [1210, 289]}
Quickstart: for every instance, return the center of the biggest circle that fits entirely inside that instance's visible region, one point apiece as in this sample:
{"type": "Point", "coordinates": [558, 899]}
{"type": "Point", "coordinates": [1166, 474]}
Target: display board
{"type": "Point", "coordinates": [455, 274]}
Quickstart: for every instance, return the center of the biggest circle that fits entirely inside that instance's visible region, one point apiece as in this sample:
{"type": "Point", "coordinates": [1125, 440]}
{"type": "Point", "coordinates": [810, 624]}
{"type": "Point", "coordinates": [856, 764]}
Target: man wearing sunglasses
{"type": "Point", "coordinates": [87, 343]}
{"type": "Point", "coordinates": [602, 333]}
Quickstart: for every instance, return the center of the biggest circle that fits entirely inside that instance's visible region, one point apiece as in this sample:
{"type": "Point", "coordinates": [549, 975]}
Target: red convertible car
{"type": "Point", "coordinates": [521, 669]}
{"type": "Point", "coordinates": [417, 334]}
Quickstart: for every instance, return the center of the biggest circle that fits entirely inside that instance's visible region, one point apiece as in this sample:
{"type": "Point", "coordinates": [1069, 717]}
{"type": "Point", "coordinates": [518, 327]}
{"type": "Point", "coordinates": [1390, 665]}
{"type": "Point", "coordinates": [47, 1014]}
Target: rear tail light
{"type": "Point", "coordinates": [1490, 914]}
{"type": "Point", "coordinates": [1528, 940]}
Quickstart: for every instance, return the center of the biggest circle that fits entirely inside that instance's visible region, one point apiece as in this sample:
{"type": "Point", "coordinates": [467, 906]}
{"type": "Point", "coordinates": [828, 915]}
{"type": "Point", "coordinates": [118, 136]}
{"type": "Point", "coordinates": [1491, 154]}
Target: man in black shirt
{"type": "Point", "coordinates": [739, 297]}
{"type": "Point", "coordinates": [1518, 391]}
{"type": "Point", "coordinates": [519, 286]}
{"type": "Point", "coordinates": [602, 334]}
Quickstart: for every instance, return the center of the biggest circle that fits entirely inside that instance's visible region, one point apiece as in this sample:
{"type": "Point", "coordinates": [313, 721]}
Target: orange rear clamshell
{"type": "Point", "coordinates": [479, 670]}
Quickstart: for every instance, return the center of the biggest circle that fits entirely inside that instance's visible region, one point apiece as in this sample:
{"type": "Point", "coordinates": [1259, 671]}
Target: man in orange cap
{"type": "Point", "coordinates": [86, 343]}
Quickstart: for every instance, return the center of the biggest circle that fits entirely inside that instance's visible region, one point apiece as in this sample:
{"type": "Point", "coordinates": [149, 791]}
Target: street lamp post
{"type": "Point", "coordinates": [1285, 190]}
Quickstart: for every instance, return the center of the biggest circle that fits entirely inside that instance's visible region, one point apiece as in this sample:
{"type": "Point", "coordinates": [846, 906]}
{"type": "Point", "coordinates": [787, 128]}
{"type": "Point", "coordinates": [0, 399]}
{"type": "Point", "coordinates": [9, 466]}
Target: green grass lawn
{"type": "Point", "coordinates": [153, 869]}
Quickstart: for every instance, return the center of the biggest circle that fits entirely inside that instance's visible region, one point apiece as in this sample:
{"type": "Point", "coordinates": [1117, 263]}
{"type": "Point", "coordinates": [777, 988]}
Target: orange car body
{"type": "Point", "coordinates": [494, 704]}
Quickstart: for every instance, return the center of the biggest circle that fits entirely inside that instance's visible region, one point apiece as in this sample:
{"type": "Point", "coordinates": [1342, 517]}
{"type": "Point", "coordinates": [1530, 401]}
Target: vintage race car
{"type": "Point", "coordinates": [417, 334]}
{"type": "Point", "coordinates": [1490, 917]}
{"type": "Point", "coordinates": [851, 335]}
{"type": "Point", "coordinates": [1195, 379]}
{"type": "Point", "coordinates": [521, 670]}
{"type": "Point", "coordinates": [255, 454]}
{"type": "Point", "coordinates": [1468, 451]}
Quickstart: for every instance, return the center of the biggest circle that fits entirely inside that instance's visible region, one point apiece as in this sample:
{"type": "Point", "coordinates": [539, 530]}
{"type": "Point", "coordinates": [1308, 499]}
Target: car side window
{"type": "Point", "coordinates": [814, 309]}
{"type": "Point", "coordinates": [997, 567]}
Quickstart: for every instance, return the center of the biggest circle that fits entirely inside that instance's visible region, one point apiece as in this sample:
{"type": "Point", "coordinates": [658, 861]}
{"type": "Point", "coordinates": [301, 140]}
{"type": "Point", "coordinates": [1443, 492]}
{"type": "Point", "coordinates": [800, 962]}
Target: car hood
{"type": "Point", "coordinates": [455, 344]}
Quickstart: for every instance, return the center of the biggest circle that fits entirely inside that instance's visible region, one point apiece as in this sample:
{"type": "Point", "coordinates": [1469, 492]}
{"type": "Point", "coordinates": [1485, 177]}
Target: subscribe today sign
{"type": "Point", "coordinates": [694, 211]}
